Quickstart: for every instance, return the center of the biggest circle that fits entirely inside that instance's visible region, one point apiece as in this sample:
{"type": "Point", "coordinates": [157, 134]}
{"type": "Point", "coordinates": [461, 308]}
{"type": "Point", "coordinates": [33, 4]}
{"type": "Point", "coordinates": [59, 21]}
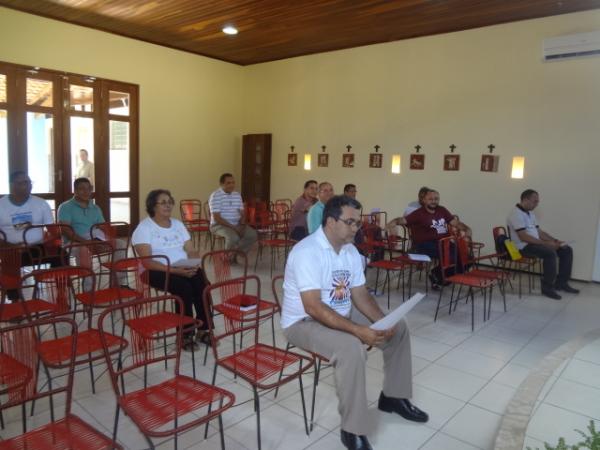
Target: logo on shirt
{"type": "Point", "coordinates": [339, 295]}
{"type": "Point", "coordinates": [439, 226]}
{"type": "Point", "coordinates": [22, 219]}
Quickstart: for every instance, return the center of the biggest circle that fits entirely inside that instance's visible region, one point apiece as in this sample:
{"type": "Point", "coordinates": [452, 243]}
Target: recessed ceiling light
{"type": "Point", "coordinates": [230, 30]}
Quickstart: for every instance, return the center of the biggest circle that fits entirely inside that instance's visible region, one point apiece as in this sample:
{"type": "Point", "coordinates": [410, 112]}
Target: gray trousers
{"type": "Point", "coordinates": [348, 356]}
{"type": "Point", "coordinates": [233, 240]}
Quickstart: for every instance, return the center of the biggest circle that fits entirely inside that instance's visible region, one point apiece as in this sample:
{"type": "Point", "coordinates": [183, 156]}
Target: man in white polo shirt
{"type": "Point", "coordinates": [327, 310]}
{"type": "Point", "coordinates": [227, 216]}
{"type": "Point", "coordinates": [532, 241]}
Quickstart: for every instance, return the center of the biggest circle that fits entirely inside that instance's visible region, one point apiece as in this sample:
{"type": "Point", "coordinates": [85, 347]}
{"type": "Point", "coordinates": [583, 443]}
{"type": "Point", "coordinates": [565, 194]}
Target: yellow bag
{"type": "Point", "coordinates": [512, 249]}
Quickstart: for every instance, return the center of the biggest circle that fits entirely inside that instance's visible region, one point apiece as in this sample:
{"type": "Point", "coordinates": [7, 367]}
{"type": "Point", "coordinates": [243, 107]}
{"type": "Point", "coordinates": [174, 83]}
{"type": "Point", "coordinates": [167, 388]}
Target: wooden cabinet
{"type": "Point", "coordinates": [256, 167]}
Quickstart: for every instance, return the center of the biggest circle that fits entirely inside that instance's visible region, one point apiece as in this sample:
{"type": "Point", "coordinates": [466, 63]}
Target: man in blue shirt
{"type": "Point", "coordinates": [315, 213]}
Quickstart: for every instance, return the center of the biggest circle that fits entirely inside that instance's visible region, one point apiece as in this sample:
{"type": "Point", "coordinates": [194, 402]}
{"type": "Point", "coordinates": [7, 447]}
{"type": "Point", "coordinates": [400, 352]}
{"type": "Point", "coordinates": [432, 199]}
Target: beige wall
{"type": "Point", "coordinates": [471, 89]}
{"type": "Point", "coordinates": [190, 106]}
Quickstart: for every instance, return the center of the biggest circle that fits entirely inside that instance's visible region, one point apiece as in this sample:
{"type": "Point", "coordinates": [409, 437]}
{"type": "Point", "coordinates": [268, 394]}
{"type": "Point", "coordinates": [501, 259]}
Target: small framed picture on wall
{"type": "Point", "coordinates": [451, 162]}
{"type": "Point", "coordinates": [376, 160]}
{"type": "Point", "coordinates": [292, 159]}
{"type": "Point", "coordinates": [323, 160]}
{"type": "Point", "coordinates": [417, 161]}
{"type": "Point", "coordinates": [348, 160]}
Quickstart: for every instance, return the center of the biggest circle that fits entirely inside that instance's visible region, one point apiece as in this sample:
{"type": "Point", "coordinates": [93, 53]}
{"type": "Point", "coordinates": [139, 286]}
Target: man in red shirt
{"type": "Point", "coordinates": [428, 224]}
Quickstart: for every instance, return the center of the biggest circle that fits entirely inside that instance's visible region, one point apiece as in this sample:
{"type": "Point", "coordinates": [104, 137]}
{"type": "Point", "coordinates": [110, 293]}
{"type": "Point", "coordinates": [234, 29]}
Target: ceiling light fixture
{"type": "Point", "coordinates": [230, 30]}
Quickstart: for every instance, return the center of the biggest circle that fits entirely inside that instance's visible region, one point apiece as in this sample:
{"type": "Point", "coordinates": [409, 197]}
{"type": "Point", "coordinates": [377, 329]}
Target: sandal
{"type": "Point", "coordinates": [189, 344]}
{"type": "Point", "coordinates": [203, 336]}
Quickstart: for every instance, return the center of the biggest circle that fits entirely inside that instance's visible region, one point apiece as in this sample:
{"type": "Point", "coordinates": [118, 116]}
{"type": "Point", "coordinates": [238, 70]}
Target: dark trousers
{"type": "Point", "coordinates": [188, 289]}
{"type": "Point", "coordinates": [548, 257]}
{"type": "Point", "coordinates": [298, 233]}
{"type": "Point", "coordinates": [430, 248]}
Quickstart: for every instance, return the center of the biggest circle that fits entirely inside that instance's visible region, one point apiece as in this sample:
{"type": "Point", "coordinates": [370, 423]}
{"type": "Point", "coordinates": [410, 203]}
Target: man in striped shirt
{"type": "Point", "coordinates": [227, 216]}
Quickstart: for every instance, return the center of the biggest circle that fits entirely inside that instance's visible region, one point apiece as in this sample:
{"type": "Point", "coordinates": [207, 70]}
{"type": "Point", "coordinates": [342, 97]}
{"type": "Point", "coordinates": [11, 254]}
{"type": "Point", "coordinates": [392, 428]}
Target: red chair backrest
{"type": "Point", "coordinates": [111, 231]}
{"type": "Point", "coordinates": [190, 209]}
{"type": "Point", "coordinates": [447, 253]}
{"type": "Point", "coordinates": [216, 266]}
{"type": "Point", "coordinates": [136, 271]}
{"type": "Point", "coordinates": [19, 361]}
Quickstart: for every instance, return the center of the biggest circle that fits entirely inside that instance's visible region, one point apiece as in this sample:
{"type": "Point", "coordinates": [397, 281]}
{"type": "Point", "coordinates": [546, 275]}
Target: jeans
{"type": "Point", "coordinates": [548, 256]}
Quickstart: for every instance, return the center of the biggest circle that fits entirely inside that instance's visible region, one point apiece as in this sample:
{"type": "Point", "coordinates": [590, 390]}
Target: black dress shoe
{"type": "Point", "coordinates": [355, 442]}
{"type": "Point", "coordinates": [551, 293]}
{"type": "Point", "coordinates": [403, 407]}
{"type": "Point", "coordinates": [565, 287]}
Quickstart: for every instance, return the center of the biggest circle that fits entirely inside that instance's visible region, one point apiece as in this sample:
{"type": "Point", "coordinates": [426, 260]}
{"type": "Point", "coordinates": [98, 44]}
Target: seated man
{"type": "Point", "coordinates": [81, 213]}
{"type": "Point", "coordinates": [315, 213]}
{"type": "Point", "coordinates": [327, 309]}
{"type": "Point", "coordinates": [350, 190]}
{"type": "Point", "coordinates": [413, 206]}
{"type": "Point", "coordinates": [298, 226]}
{"type": "Point", "coordinates": [227, 216]}
{"type": "Point", "coordinates": [532, 241]}
{"type": "Point", "coordinates": [18, 210]}
{"type": "Point", "coordinates": [428, 224]}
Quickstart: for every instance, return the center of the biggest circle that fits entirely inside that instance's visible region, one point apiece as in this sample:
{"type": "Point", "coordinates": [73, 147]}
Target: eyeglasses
{"type": "Point", "coordinates": [352, 222]}
{"type": "Point", "coordinates": [166, 203]}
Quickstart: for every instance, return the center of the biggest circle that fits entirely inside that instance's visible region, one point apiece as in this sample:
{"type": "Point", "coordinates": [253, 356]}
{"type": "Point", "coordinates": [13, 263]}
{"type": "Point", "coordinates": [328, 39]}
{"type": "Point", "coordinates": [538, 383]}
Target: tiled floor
{"type": "Point", "coordinates": [464, 380]}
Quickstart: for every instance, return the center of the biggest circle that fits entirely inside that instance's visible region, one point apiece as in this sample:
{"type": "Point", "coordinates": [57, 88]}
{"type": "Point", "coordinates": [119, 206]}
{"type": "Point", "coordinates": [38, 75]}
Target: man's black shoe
{"type": "Point", "coordinates": [565, 287]}
{"type": "Point", "coordinates": [403, 407]}
{"type": "Point", "coordinates": [551, 293]}
{"type": "Point", "coordinates": [355, 442]}
{"type": "Point", "coordinates": [434, 283]}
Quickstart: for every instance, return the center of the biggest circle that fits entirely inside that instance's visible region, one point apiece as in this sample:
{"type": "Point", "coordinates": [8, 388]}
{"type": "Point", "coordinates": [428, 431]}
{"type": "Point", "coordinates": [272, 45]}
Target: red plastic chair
{"type": "Point", "coordinates": [268, 238]}
{"type": "Point", "coordinates": [60, 287]}
{"type": "Point", "coordinates": [19, 363]}
{"type": "Point", "coordinates": [524, 265]}
{"type": "Point", "coordinates": [217, 268]}
{"type": "Point", "coordinates": [191, 215]}
{"type": "Point", "coordinates": [118, 235]}
{"type": "Point", "coordinates": [162, 409]}
{"type": "Point", "coordinates": [49, 249]}
{"type": "Point", "coordinates": [214, 238]}
{"type": "Point", "coordinates": [319, 359]}
{"type": "Point", "coordinates": [259, 364]}
{"type": "Point", "coordinates": [448, 254]}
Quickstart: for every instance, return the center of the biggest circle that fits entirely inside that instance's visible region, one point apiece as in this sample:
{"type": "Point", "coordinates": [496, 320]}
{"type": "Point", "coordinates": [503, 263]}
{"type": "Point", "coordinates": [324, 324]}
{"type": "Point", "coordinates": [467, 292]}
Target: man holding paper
{"type": "Point", "coordinates": [328, 310]}
{"type": "Point", "coordinates": [532, 241]}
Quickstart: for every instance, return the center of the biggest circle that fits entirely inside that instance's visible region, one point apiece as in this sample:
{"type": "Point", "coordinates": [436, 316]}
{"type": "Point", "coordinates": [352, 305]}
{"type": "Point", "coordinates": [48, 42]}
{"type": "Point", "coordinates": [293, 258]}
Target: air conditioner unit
{"type": "Point", "coordinates": [572, 45]}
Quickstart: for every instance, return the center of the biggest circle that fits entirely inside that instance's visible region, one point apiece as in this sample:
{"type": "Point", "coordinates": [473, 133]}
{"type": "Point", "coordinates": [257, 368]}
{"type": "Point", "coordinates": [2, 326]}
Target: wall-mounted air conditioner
{"type": "Point", "coordinates": [572, 45]}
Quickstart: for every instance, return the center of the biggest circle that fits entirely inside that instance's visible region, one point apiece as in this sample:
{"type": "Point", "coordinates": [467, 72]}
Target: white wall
{"type": "Point", "coordinates": [471, 89]}
{"type": "Point", "coordinates": [190, 106]}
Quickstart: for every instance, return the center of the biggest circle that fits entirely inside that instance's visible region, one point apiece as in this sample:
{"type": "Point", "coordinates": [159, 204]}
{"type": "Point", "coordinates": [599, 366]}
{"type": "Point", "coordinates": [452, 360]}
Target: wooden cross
{"type": "Point", "coordinates": [417, 148]}
{"type": "Point", "coordinates": [348, 147]}
{"type": "Point", "coordinates": [377, 147]}
{"type": "Point", "coordinates": [452, 147]}
{"type": "Point", "coordinates": [292, 148]}
{"type": "Point", "coordinates": [323, 147]}
{"type": "Point", "coordinates": [491, 147]}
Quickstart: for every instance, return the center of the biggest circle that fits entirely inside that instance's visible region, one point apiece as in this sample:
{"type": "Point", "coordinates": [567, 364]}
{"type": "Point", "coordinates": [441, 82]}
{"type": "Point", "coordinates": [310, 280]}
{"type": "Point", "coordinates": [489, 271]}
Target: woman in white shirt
{"type": "Point", "coordinates": [160, 234]}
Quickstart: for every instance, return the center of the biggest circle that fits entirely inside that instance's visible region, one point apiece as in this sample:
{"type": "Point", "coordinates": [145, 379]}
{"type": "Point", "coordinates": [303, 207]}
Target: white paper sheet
{"type": "Point", "coordinates": [394, 317]}
{"type": "Point", "coordinates": [191, 262]}
{"type": "Point", "coordinates": [419, 257]}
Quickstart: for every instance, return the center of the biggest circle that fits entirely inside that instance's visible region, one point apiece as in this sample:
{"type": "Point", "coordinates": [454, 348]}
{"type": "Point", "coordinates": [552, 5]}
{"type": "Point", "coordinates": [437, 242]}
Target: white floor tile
{"type": "Point", "coordinates": [451, 382]}
{"type": "Point", "coordinates": [494, 397]}
{"type": "Point", "coordinates": [512, 375]}
{"type": "Point", "coordinates": [473, 363]}
{"type": "Point", "coordinates": [575, 397]}
{"type": "Point", "coordinates": [462, 426]}
{"type": "Point", "coordinates": [440, 407]}
{"type": "Point", "coordinates": [427, 349]}
{"type": "Point", "coordinates": [583, 372]}
{"type": "Point", "coordinates": [549, 423]}
{"type": "Point", "coordinates": [493, 348]}
{"type": "Point", "coordinates": [443, 441]}
{"type": "Point", "coordinates": [393, 432]}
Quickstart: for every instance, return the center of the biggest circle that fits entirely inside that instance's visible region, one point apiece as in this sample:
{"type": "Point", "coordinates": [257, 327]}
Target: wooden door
{"type": "Point", "coordinates": [256, 167]}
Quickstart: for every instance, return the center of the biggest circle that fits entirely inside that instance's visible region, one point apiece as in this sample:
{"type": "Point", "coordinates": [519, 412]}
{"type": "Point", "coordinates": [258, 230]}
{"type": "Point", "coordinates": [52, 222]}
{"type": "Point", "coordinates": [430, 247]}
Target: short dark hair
{"type": "Point", "coordinates": [223, 177]}
{"type": "Point", "coordinates": [333, 208]}
{"type": "Point", "coordinates": [84, 151]}
{"type": "Point", "coordinates": [423, 191]}
{"type": "Point", "coordinates": [349, 186]}
{"type": "Point", "coordinates": [81, 180]}
{"type": "Point", "coordinates": [16, 174]}
{"type": "Point", "coordinates": [152, 199]}
{"type": "Point", "coordinates": [323, 183]}
{"type": "Point", "coordinates": [527, 193]}
{"type": "Point", "coordinates": [309, 182]}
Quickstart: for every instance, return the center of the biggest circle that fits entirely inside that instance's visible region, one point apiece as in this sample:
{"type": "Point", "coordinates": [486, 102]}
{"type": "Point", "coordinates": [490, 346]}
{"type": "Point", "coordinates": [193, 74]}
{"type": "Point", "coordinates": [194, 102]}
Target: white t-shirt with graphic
{"type": "Point", "coordinates": [15, 218]}
{"type": "Point", "coordinates": [521, 220]}
{"type": "Point", "coordinates": [313, 264]}
{"type": "Point", "coordinates": [163, 241]}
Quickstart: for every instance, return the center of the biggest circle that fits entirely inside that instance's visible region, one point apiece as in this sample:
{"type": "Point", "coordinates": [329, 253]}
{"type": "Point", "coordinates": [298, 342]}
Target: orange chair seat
{"type": "Point", "coordinates": [13, 374]}
{"type": "Point", "coordinates": [10, 281]}
{"type": "Point", "coordinates": [68, 433]}
{"type": "Point", "coordinates": [106, 296]}
{"type": "Point", "coordinates": [19, 308]}
{"type": "Point", "coordinates": [231, 306]}
{"type": "Point", "coordinates": [469, 280]}
{"type": "Point", "coordinates": [387, 264]}
{"type": "Point", "coordinates": [57, 351]}
{"type": "Point", "coordinates": [150, 326]}
{"type": "Point", "coordinates": [277, 242]}
{"type": "Point", "coordinates": [257, 363]}
{"type": "Point", "coordinates": [154, 406]}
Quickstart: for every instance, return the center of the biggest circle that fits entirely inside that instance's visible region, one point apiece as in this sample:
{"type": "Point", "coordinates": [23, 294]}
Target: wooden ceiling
{"type": "Point", "coordinates": [277, 29]}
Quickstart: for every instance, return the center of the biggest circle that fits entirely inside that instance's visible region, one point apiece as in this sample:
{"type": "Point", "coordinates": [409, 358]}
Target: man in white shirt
{"type": "Point", "coordinates": [327, 310]}
{"type": "Point", "coordinates": [85, 169]}
{"type": "Point", "coordinates": [532, 241]}
{"type": "Point", "coordinates": [227, 216]}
